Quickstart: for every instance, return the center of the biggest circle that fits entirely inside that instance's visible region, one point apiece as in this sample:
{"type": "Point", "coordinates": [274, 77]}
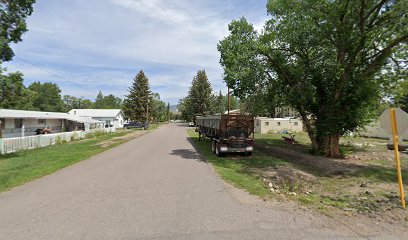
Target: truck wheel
{"type": "Point", "coordinates": [248, 154]}
{"type": "Point", "coordinates": [213, 146]}
{"type": "Point", "coordinates": [217, 152]}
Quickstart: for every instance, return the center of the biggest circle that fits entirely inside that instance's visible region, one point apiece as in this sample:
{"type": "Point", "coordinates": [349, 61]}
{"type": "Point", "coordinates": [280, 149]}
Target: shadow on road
{"type": "Point", "coordinates": [188, 154]}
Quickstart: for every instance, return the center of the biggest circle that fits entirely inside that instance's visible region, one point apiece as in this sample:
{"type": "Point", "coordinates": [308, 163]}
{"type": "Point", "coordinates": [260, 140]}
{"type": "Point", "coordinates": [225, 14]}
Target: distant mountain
{"type": "Point", "coordinates": [173, 108]}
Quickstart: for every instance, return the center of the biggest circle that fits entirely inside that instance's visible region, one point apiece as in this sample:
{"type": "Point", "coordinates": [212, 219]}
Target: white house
{"type": "Point", "coordinates": [111, 117]}
{"type": "Point", "coordinates": [265, 125]}
{"type": "Point", "coordinates": [20, 123]}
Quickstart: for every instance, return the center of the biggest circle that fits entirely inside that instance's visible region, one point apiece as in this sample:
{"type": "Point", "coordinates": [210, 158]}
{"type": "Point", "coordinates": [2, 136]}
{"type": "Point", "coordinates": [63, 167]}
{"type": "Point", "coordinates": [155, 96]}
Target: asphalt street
{"type": "Point", "coordinates": [154, 187]}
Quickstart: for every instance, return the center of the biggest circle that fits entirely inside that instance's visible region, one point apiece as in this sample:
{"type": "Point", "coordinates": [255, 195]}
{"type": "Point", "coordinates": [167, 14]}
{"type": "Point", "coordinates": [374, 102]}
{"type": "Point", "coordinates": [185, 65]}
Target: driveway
{"type": "Point", "coordinates": [153, 187]}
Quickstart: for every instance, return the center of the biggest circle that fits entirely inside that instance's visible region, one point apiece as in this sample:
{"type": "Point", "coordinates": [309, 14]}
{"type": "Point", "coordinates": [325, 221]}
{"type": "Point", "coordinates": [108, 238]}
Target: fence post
{"type": "Point", "coordinates": [1, 146]}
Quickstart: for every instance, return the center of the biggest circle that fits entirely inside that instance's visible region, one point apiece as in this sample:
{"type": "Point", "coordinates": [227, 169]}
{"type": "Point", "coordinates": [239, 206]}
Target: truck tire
{"type": "Point", "coordinates": [217, 152]}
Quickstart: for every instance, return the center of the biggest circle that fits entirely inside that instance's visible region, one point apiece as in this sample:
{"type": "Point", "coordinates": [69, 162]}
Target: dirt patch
{"type": "Point", "coordinates": [127, 137]}
{"type": "Point", "coordinates": [362, 185]}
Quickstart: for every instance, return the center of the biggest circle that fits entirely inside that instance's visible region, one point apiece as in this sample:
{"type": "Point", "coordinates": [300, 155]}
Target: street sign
{"type": "Point", "coordinates": [401, 118]}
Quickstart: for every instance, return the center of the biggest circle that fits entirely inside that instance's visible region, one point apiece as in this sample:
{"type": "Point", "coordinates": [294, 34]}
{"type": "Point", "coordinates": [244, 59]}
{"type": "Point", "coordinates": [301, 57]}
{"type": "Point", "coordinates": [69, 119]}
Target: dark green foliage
{"type": "Point", "coordinates": [401, 96]}
{"type": "Point", "coordinates": [72, 102]}
{"type": "Point", "coordinates": [200, 99]}
{"type": "Point", "coordinates": [13, 93]}
{"type": "Point", "coordinates": [182, 109]}
{"type": "Point", "coordinates": [221, 103]}
{"type": "Point", "coordinates": [323, 58]}
{"type": "Point", "coordinates": [136, 103]}
{"type": "Point", "coordinates": [157, 109]}
{"type": "Point", "coordinates": [13, 14]}
{"type": "Point", "coordinates": [107, 102]}
{"type": "Point", "coordinates": [48, 97]}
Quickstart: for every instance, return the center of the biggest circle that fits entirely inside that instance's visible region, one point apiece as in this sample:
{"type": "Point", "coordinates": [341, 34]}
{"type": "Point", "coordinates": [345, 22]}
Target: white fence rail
{"type": "Point", "coordinates": [9, 145]}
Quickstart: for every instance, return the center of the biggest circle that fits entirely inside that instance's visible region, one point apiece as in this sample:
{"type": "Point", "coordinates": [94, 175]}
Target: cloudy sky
{"type": "Point", "coordinates": [87, 46]}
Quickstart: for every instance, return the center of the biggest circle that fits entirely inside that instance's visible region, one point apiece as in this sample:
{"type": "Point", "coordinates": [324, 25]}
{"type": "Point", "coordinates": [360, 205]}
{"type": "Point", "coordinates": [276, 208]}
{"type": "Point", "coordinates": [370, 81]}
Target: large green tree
{"type": "Point", "coordinates": [13, 14]}
{"type": "Point", "coordinates": [13, 93]}
{"type": "Point", "coordinates": [157, 109]}
{"type": "Point", "coordinates": [137, 101]}
{"type": "Point", "coordinates": [325, 58]}
{"type": "Point", "coordinates": [107, 102]}
{"type": "Point", "coordinates": [48, 97]}
{"type": "Point", "coordinates": [72, 102]}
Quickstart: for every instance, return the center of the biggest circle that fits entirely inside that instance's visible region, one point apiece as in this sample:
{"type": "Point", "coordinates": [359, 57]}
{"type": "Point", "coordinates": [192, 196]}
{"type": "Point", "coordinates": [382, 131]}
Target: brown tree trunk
{"type": "Point", "coordinates": [330, 146]}
{"type": "Point", "coordinates": [310, 130]}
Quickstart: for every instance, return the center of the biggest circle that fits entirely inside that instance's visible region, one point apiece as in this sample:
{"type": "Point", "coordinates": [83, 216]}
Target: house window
{"type": "Point", "coordinates": [296, 123]}
{"type": "Point", "coordinates": [278, 123]}
{"type": "Point", "coordinates": [266, 123]}
{"type": "Point", "coordinates": [42, 121]}
{"type": "Point", "coordinates": [18, 123]}
{"type": "Point", "coordinates": [2, 123]}
{"type": "Point", "coordinates": [257, 123]}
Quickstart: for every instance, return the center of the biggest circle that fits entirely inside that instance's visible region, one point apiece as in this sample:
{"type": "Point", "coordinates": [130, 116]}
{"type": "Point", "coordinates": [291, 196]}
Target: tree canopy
{"type": "Point", "coordinates": [13, 25]}
{"type": "Point", "coordinates": [327, 59]}
{"type": "Point", "coordinates": [47, 97]}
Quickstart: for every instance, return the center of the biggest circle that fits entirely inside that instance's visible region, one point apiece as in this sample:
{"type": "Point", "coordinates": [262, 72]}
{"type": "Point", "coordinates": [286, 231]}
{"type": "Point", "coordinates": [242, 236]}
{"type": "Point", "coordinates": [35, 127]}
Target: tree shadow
{"type": "Point", "coordinates": [12, 155]}
{"type": "Point", "coordinates": [326, 167]}
{"type": "Point", "coordinates": [188, 154]}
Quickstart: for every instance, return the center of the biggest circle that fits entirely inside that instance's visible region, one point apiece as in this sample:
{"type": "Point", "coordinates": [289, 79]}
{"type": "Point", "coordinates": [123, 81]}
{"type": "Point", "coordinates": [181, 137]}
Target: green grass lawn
{"type": "Point", "coordinates": [24, 166]}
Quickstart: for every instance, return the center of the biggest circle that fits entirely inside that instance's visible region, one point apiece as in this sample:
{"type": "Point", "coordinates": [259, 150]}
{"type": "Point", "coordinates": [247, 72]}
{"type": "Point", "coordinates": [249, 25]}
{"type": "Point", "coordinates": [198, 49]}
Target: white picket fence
{"type": "Point", "coordinates": [9, 145]}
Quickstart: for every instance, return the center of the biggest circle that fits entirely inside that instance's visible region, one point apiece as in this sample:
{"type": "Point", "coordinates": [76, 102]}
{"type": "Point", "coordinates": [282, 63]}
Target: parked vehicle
{"type": "Point", "coordinates": [140, 125]}
{"type": "Point", "coordinates": [191, 124]}
{"type": "Point", "coordinates": [228, 133]}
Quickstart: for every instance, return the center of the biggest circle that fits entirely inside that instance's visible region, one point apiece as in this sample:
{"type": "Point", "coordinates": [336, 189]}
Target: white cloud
{"type": "Point", "coordinates": [103, 44]}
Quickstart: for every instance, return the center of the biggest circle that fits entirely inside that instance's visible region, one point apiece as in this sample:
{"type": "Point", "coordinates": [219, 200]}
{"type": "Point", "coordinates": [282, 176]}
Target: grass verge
{"type": "Point", "coordinates": [24, 166]}
{"type": "Point", "coordinates": [366, 184]}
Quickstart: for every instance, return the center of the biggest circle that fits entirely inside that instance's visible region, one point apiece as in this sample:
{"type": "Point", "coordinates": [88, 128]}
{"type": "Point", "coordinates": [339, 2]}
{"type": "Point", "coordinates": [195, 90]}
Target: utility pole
{"type": "Point", "coordinates": [147, 111]}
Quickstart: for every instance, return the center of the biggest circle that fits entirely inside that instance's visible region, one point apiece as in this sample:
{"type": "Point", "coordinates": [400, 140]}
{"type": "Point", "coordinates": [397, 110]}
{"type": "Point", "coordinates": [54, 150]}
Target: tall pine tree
{"type": "Point", "coordinates": [136, 103]}
{"type": "Point", "coordinates": [200, 97]}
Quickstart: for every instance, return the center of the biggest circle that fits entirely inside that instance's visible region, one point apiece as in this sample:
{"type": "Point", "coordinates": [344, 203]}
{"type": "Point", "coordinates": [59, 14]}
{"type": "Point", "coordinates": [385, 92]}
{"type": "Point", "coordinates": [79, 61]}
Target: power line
{"type": "Point", "coordinates": [48, 72]}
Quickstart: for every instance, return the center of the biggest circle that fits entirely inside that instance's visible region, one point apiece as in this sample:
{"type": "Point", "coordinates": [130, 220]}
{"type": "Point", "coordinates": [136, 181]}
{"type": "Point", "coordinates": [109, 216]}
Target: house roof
{"type": "Point", "coordinates": [96, 112]}
{"type": "Point", "coordinates": [11, 113]}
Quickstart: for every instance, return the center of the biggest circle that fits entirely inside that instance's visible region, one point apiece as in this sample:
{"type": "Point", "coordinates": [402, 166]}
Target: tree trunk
{"type": "Point", "coordinates": [310, 130]}
{"type": "Point", "coordinates": [330, 146]}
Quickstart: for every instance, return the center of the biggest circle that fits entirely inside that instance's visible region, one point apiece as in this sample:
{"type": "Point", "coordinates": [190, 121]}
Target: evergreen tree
{"type": "Point", "coordinates": [199, 100]}
{"type": "Point", "coordinates": [98, 101]}
{"type": "Point", "coordinates": [220, 103]}
{"type": "Point", "coordinates": [136, 102]}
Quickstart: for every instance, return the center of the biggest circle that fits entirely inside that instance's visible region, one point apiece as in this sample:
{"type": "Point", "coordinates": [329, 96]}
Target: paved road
{"type": "Point", "coordinates": [153, 187]}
